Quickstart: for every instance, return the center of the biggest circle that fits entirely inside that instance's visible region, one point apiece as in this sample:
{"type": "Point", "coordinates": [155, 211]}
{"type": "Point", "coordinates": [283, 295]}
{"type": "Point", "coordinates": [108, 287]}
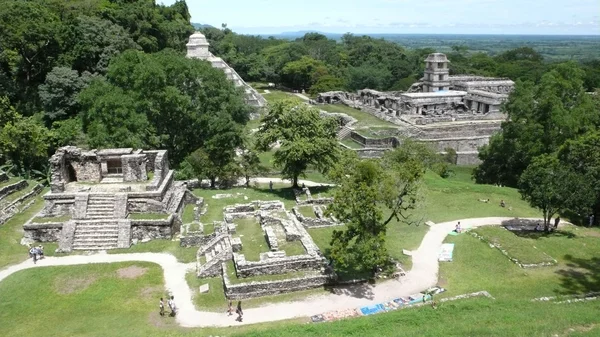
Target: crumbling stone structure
{"type": "Point", "coordinates": [440, 109]}
{"type": "Point", "coordinates": [97, 190]}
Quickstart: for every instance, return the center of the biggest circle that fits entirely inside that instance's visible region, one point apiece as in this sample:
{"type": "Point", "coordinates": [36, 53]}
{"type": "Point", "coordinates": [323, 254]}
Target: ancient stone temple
{"type": "Point", "coordinates": [110, 198]}
{"type": "Point", "coordinates": [197, 47]}
{"type": "Point", "coordinates": [449, 111]}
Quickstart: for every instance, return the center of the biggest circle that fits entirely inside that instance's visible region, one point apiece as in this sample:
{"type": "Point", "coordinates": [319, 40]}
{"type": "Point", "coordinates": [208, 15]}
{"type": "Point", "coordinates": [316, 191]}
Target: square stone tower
{"type": "Point", "coordinates": [436, 73]}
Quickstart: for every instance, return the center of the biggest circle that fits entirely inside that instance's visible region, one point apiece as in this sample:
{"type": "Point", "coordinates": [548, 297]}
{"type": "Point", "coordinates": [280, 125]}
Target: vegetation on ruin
{"type": "Point", "coordinates": [148, 216]}
{"type": "Point", "coordinates": [306, 139]}
{"type": "Point", "coordinates": [253, 238]}
{"type": "Point", "coordinates": [51, 219]}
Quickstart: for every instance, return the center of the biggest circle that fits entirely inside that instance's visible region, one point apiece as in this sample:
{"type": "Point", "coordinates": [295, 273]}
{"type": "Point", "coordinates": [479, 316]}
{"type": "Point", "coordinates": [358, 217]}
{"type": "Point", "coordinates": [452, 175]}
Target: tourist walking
{"type": "Point", "coordinates": [239, 311]}
{"type": "Point", "coordinates": [230, 308]}
{"type": "Point", "coordinates": [33, 254]}
{"type": "Point", "coordinates": [172, 306]}
{"type": "Point", "coordinates": [161, 306]}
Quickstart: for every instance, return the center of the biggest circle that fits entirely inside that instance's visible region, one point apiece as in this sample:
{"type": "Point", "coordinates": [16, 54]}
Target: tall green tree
{"type": "Point", "coordinates": [165, 100]}
{"type": "Point", "coordinates": [306, 140]}
{"type": "Point", "coordinates": [59, 92]}
{"type": "Point", "coordinates": [582, 156]}
{"type": "Point", "coordinates": [551, 187]}
{"type": "Point", "coordinates": [540, 119]}
{"type": "Point", "coordinates": [371, 194]}
{"type": "Point", "coordinates": [24, 141]}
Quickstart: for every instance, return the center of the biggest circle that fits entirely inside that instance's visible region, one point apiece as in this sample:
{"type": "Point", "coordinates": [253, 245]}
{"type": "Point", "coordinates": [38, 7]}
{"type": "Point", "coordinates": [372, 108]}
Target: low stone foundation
{"type": "Point", "coordinates": [43, 232]}
{"type": "Point", "coordinates": [146, 230]}
{"type": "Point", "coordinates": [8, 189]}
{"type": "Point", "coordinates": [266, 288]}
{"type": "Point", "coordinates": [276, 266]}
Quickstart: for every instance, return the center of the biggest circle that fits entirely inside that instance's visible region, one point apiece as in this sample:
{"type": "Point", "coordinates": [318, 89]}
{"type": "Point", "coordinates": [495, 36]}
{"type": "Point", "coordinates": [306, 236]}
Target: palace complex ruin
{"type": "Point", "coordinates": [197, 47]}
{"type": "Point", "coordinates": [449, 111]}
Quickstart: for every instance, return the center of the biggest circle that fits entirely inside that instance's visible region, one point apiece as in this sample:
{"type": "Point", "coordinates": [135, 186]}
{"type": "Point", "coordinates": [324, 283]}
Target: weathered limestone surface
{"type": "Point", "coordinates": [44, 232]}
{"type": "Point", "coordinates": [146, 229]}
{"type": "Point", "coordinates": [134, 167]}
{"type": "Point", "coordinates": [276, 266]}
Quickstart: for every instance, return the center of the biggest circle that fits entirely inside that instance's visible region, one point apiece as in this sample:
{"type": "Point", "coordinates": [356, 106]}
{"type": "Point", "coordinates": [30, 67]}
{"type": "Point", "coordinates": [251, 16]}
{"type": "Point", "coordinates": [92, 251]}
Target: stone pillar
{"type": "Point", "coordinates": [65, 242]}
{"type": "Point", "coordinates": [124, 238]}
{"type": "Point", "coordinates": [120, 210]}
{"type": "Point", "coordinates": [80, 207]}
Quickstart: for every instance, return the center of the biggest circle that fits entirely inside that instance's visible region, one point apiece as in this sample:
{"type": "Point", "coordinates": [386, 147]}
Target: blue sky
{"type": "Point", "coordinates": [401, 16]}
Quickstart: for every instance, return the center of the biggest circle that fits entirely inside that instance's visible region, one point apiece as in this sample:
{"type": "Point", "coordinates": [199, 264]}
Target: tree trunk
{"type": "Point", "coordinates": [546, 221]}
{"type": "Point", "coordinates": [247, 181]}
{"type": "Point", "coordinates": [295, 181]}
{"type": "Point", "coordinates": [212, 182]}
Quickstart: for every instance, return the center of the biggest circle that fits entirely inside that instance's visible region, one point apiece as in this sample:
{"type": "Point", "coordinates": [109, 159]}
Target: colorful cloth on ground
{"type": "Point", "coordinates": [446, 252]}
{"type": "Point", "coordinates": [373, 309]}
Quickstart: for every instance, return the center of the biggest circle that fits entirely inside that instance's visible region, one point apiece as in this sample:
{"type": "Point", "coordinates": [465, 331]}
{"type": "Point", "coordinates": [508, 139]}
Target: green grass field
{"type": "Point", "coordinates": [278, 95]}
{"type": "Point", "coordinates": [253, 238]}
{"type": "Point", "coordinates": [363, 118]}
{"type": "Point", "coordinates": [522, 249]}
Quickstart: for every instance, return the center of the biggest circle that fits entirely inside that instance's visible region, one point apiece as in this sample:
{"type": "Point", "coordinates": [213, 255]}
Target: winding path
{"type": "Point", "coordinates": [424, 274]}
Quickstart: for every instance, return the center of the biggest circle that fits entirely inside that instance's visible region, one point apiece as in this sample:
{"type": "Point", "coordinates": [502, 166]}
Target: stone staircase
{"type": "Point", "coordinates": [96, 235]}
{"type": "Point", "coordinates": [215, 252]}
{"type": "Point", "coordinates": [100, 207]}
{"type": "Point", "coordinates": [343, 133]}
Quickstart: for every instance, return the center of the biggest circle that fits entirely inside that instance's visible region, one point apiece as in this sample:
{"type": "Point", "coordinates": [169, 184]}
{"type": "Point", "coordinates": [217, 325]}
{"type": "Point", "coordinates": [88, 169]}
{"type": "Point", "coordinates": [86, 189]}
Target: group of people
{"type": "Point", "coordinates": [36, 253]}
{"type": "Point", "coordinates": [170, 303]}
{"type": "Point", "coordinates": [238, 310]}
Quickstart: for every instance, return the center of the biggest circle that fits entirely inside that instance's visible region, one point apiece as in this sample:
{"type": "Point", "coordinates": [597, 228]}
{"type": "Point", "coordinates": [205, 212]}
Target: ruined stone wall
{"type": "Point", "coordinates": [8, 189]}
{"type": "Point", "coordinates": [266, 288]}
{"type": "Point", "coordinates": [276, 265]}
{"type": "Point", "coordinates": [196, 240]}
{"type": "Point", "coordinates": [375, 142]}
{"type": "Point", "coordinates": [145, 230]}
{"type": "Point", "coordinates": [134, 167]}
{"type": "Point", "coordinates": [468, 158]}
{"type": "Point", "coordinates": [458, 144]}
{"type": "Point", "coordinates": [87, 170]}
{"type": "Point", "coordinates": [43, 232]}
{"type": "Point", "coordinates": [159, 165]}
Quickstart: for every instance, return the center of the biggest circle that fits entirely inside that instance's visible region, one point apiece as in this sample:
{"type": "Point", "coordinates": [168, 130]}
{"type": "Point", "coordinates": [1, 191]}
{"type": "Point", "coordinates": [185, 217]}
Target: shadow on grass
{"type": "Point", "coordinates": [542, 234]}
{"type": "Point", "coordinates": [581, 275]}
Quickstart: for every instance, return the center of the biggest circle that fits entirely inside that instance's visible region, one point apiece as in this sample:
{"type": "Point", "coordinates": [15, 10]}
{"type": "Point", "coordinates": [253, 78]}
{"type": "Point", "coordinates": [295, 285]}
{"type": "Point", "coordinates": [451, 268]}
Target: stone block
{"type": "Point", "coordinates": [204, 288]}
{"type": "Point", "coordinates": [134, 167]}
{"type": "Point", "coordinates": [236, 244]}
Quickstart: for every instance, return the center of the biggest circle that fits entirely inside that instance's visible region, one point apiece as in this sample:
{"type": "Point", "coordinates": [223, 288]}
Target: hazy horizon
{"type": "Point", "coordinates": [470, 17]}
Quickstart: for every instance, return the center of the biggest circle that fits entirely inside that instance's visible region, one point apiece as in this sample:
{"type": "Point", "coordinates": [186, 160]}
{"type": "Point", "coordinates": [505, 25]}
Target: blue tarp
{"type": "Point", "coordinates": [370, 310]}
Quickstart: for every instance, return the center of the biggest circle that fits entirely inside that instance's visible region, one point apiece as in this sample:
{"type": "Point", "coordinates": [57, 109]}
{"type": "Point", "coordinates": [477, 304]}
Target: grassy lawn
{"type": "Point", "coordinates": [10, 181]}
{"type": "Point", "coordinates": [253, 238]}
{"type": "Point", "coordinates": [520, 248]}
{"type": "Point", "coordinates": [11, 233]}
{"type": "Point", "coordinates": [278, 95]}
{"type": "Point", "coordinates": [184, 255]}
{"type": "Point", "coordinates": [291, 248]}
{"type": "Point", "coordinates": [477, 266]}
{"type": "Point", "coordinates": [188, 213]}
{"type": "Point", "coordinates": [363, 118]}
{"type": "Point", "coordinates": [148, 216]}
{"type": "Point", "coordinates": [372, 132]}
{"type": "Point", "coordinates": [17, 194]}
{"type": "Point", "coordinates": [51, 219]}
{"type": "Point", "coordinates": [351, 143]}
{"type": "Point", "coordinates": [307, 211]}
